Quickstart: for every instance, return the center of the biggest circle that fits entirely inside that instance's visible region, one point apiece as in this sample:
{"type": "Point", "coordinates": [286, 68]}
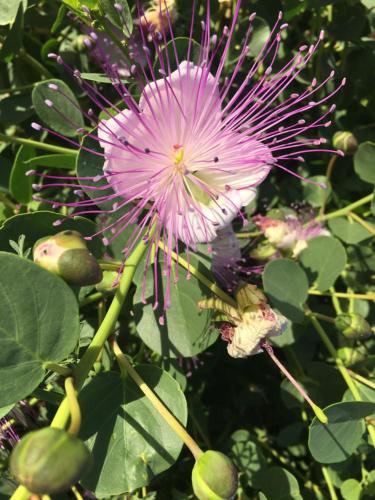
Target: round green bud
{"type": "Point", "coordinates": [350, 356]}
{"type": "Point", "coordinates": [263, 251]}
{"type": "Point", "coordinates": [49, 461]}
{"type": "Point", "coordinates": [66, 254]}
{"type": "Point", "coordinates": [346, 142]}
{"type": "Point", "coordinates": [214, 477]}
{"type": "Point", "coordinates": [353, 326]}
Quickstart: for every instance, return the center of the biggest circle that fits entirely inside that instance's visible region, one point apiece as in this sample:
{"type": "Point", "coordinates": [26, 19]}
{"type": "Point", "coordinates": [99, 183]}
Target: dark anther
{"type": "Point", "coordinates": [216, 159]}
{"type": "Point", "coordinates": [147, 150]}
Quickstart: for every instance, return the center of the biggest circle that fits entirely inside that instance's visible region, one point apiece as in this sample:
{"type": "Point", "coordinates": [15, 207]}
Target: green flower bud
{"type": "Point", "coordinates": [353, 326]}
{"type": "Point", "coordinates": [350, 356]}
{"type": "Point", "coordinates": [214, 477]}
{"type": "Point", "coordinates": [264, 251]}
{"type": "Point", "coordinates": [346, 142]}
{"type": "Point", "coordinates": [66, 254]}
{"type": "Point", "coordinates": [49, 461]}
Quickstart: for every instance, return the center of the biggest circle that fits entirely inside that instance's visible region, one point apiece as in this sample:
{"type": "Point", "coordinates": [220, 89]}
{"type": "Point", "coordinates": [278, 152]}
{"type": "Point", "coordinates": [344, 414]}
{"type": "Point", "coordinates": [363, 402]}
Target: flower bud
{"type": "Point", "coordinates": [49, 461]}
{"type": "Point", "coordinates": [214, 477]}
{"type": "Point", "coordinates": [350, 356]}
{"type": "Point", "coordinates": [353, 326]}
{"type": "Point", "coordinates": [346, 142]}
{"type": "Point", "coordinates": [66, 254]}
{"type": "Point", "coordinates": [264, 251]}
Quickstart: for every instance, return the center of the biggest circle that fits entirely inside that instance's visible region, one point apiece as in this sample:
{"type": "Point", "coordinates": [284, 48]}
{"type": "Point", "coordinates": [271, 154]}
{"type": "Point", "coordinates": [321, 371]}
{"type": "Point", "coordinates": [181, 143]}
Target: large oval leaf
{"type": "Point", "coordinates": [323, 259]}
{"type": "Point", "coordinates": [286, 285]}
{"type": "Point", "coordinates": [20, 185]}
{"type": "Point", "coordinates": [130, 441]}
{"type": "Point", "coordinates": [64, 116]}
{"type": "Point", "coordinates": [364, 160]}
{"type": "Point", "coordinates": [39, 323]}
{"type": "Point", "coordinates": [337, 440]}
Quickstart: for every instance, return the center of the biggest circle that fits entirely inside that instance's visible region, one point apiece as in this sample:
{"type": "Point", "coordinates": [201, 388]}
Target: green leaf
{"type": "Point", "coordinates": [337, 440]}
{"type": "Point", "coordinates": [20, 185]}
{"type": "Point", "coordinates": [286, 285]}
{"type": "Point", "coordinates": [64, 161]}
{"type": "Point", "coordinates": [39, 323]}
{"type": "Point", "coordinates": [323, 259]}
{"type": "Point", "coordinates": [348, 230]}
{"type": "Point", "coordinates": [4, 410]}
{"type": "Point", "coordinates": [186, 330]}
{"type": "Point", "coordinates": [130, 441]}
{"type": "Point", "coordinates": [364, 161]}
{"type": "Point", "coordinates": [316, 195]}
{"type": "Point", "coordinates": [99, 78]}
{"type": "Point", "coordinates": [15, 109]}
{"type": "Point", "coordinates": [260, 34]}
{"type": "Point", "coordinates": [13, 41]}
{"type": "Point", "coordinates": [9, 9]}
{"type": "Point", "coordinates": [123, 20]}
{"type": "Point", "coordinates": [247, 455]}
{"type": "Point", "coordinates": [278, 483]}
{"type": "Point", "coordinates": [36, 225]}
{"type": "Point", "coordinates": [351, 489]}
{"type": "Point", "coordinates": [64, 116]}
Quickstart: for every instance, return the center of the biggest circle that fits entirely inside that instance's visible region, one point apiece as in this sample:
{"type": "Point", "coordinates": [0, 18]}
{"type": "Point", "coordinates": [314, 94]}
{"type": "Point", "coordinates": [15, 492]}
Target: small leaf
{"type": "Point", "coordinates": [64, 116]}
{"type": "Point", "coordinates": [364, 161]}
{"type": "Point", "coordinates": [131, 443]}
{"type": "Point", "coordinates": [276, 482]}
{"type": "Point", "coordinates": [348, 231]}
{"type": "Point", "coordinates": [20, 185]}
{"type": "Point", "coordinates": [317, 195]}
{"type": "Point", "coordinates": [39, 324]}
{"type": "Point", "coordinates": [120, 18]}
{"type": "Point", "coordinates": [323, 259]}
{"type": "Point", "coordinates": [260, 34]}
{"type": "Point", "coordinates": [65, 161]}
{"type": "Point", "coordinates": [286, 285]}
{"type": "Point", "coordinates": [351, 489]}
{"type": "Point", "coordinates": [9, 9]}
{"type": "Point", "coordinates": [337, 440]}
{"type": "Point", "coordinates": [247, 455]}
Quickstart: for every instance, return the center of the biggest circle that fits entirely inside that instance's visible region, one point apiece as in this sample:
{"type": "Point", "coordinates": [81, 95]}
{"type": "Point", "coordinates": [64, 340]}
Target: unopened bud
{"type": "Point", "coordinates": [353, 326]}
{"type": "Point", "coordinates": [66, 254]}
{"type": "Point", "coordinates": [49, 461]}
{"type": "Point", "coordinates": [214, 476]}
{"type": "Point", "coordinates": [346, 142]}
{"type": "Point", "coordinates": [264, 251]}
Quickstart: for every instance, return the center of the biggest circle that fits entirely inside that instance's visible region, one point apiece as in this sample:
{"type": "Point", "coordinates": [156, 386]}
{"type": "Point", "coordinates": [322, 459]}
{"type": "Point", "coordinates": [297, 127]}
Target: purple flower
{"type": "Point", "coordinates": [188, 154]}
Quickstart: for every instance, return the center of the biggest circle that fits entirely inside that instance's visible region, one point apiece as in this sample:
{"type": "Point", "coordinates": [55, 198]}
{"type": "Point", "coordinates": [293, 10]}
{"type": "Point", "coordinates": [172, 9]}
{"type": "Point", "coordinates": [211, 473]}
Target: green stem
{"type": "Point", "coordinates": [335, 301]}
{"type": "Point", "coordinates": [94, 297]}
{"type": "Point", "coordinates": [344, 295]}
{"type": "Point", "coordinates": [61, 370]}
{"type": "Point", "coordinates": [347, 209]}
{"type": "Point", "coordinates": [362, 222]}
{"type": "Point", "coordinates": [324, 317]}
{"type": "Point", "coordinates": [340, 365]}
{"type": "Point", "coordinates": [38, 144]}
{"type": "Point", "coordinates": [171, 420]}
{"type": "Point", "coordinates": [21, 88]}
{"type": "Point", "coordinates": [106, 328]}
{"type": "Point", "coordinates": [74, 409]}
{"type": "Point", "coordinates": [200, 277]}
{"type": "Point", "coordinates": [329, 483]}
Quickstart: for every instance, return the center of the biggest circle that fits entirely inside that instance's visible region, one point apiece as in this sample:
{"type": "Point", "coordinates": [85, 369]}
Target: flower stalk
{"type": "Point", "coordinates": [126, 368]}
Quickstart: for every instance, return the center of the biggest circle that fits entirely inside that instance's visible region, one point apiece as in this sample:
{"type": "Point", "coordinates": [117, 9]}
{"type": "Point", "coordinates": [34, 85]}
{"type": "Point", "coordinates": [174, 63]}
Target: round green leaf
{"type": "Point", "coordinates": [9, 9]}
{"type": "Point", "coordinates": [348, 231]}
{"type": "Point", "coordinates": [316, 195]}
{"type": "Point", "coordinates": [64, 116]}
{"type": "Point", "coordinates": [278, 483]}
{"type": "Point", "coordinates": [39, 323]}
{"type": "Point", "coordinates": [286, 285]}
{"type": "Point", "coordinates": [337, 440]}
{"type": "Point", "coordinates": [351, 489]}
{"type": "Point", "coordinates": [20, 185]}
{"type": "Point", "coordinates": [364, 160]}
{"type": "Point", "coordinates": [186, 330]}
{"type": "Point", "coordinates": [323, 260]}
{"type": "Point", "coordinates": [39, 224]}
{"type": "Point", "coordinates": [130, 441]}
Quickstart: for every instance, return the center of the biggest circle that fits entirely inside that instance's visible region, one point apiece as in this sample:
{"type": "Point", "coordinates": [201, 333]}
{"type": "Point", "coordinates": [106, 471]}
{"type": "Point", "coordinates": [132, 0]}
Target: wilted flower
{"type": "Point", "coordinates": [289, 234]}
{"type": "Point", "coordinates": [189, 154]}
{"type": "Point", "coordinates": [249, 324]}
